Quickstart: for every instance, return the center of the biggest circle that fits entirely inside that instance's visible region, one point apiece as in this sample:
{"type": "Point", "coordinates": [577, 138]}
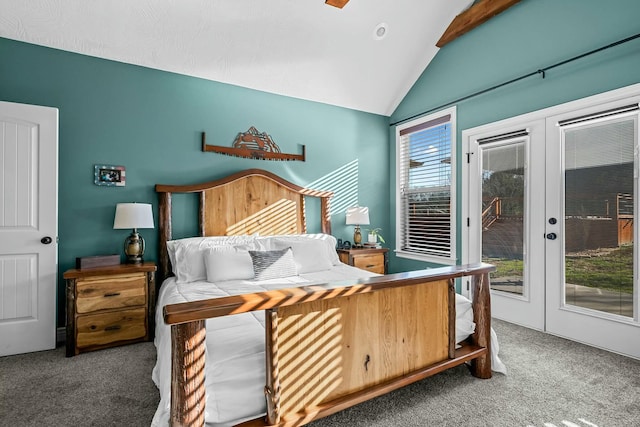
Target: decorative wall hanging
{"type": "Point", "coordinates": [111, 176]}
{"type": "Point", "coordinates": [253, 144]}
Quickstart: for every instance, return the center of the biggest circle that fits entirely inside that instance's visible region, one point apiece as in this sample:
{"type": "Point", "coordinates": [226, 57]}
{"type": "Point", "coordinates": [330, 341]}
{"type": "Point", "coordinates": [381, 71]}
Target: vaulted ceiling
{"type": "Point", "coordinates": [364, 56]}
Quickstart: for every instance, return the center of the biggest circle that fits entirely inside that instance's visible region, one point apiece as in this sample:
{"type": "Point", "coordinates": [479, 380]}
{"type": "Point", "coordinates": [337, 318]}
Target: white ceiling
{"type": "Point", "coordinates": [299, 48]}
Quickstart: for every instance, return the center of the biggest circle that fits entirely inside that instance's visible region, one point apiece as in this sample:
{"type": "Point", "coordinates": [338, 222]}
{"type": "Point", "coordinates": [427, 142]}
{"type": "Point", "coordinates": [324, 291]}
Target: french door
{"type": "Point", "coordinates": [507, 201]}
{"type": "Point", "coordinates": [591, 245]}
{"type": "Point", "coordinates": [552, 202]}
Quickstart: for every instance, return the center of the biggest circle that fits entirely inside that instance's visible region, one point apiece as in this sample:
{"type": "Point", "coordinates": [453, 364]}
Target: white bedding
{"type": "Point", "coordinates": [235, 365]}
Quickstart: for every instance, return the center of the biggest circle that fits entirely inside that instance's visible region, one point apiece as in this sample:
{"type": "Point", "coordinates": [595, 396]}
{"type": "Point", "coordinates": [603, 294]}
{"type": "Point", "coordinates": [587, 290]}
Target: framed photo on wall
{"type": "Point", "coordinates": [109, 175]}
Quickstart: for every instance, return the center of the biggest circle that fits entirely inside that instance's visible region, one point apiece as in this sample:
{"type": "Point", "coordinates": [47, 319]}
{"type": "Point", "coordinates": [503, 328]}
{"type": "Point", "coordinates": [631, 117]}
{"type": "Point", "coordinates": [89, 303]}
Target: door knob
{"type": "Point", "coordinates": [46, 240]}
{"type": "Point", "coordinates": [552, 236]}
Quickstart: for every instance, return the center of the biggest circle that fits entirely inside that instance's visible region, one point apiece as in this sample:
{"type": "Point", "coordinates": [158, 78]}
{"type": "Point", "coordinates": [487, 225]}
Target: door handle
{"type": "Point", "coordinates": [46, 240]}
{"type": "Point", "coordinates": [551, 236]}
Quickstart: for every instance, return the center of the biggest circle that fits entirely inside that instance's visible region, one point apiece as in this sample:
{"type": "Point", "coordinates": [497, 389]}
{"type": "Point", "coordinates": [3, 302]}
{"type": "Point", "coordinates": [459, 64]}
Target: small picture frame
{"type": "Point", "coordinates": [109, 175]}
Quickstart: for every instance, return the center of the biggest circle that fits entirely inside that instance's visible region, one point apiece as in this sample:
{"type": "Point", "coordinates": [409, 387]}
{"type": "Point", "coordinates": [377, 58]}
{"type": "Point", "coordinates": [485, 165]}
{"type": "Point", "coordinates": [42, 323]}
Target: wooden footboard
{"type": "Point", "coordinates": [331, 346]}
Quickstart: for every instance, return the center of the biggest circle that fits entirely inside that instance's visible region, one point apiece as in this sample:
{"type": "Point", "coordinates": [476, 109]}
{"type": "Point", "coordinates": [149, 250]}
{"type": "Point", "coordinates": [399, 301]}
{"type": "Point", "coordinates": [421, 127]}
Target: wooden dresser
{"type": "Point", "coordinates": [109, 306]}
{"type": "Point", "coordinates": [370, 259]}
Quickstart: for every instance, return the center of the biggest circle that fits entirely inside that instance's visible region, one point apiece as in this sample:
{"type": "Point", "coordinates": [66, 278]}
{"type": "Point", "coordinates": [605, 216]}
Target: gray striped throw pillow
{"type": "Point", "coordinates": [273, 264]}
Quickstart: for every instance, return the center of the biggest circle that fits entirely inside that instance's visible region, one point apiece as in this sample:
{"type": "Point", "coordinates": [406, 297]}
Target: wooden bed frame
{"type": "Point", "coordinates": [329, 346]}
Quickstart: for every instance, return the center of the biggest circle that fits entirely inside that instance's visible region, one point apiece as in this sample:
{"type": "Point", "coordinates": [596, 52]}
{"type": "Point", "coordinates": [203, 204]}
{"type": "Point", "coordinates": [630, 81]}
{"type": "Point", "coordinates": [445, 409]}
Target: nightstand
{"type": "Point", "coordinates": [109, 306]}
{"type": "Point", "coordinates": [370, 259]}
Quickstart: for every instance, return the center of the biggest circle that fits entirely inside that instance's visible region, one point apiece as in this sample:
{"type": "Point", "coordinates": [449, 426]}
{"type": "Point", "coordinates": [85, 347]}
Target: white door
{"type": "Point", "coordinates": [506, 204]}
{"type": "Point", "coordinates": [591, 247]}
{"type": "Point", "coordinates": [553, 202]}
{"type": "Point", "coordinates": [28, 227]}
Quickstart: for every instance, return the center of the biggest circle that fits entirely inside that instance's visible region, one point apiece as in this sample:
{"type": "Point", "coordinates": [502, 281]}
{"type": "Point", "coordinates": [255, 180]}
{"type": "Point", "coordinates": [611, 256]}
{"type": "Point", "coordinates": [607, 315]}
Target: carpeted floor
{"type": "Point", "coordinates": [551, 382]}
{"type": "Point", "coordinates": [112, 387]}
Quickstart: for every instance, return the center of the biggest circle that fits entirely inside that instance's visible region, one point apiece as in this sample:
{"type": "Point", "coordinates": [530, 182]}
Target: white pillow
{"type": "Point", "coordinates": [228, 263]}
{"type": "Point", "coordinates": [328, 240]}
{"type": "Point", "coordinates": [187, 255]}
{"type": "Point", "coordinates": [273, 264]}
{"type": "Point", "coordinates": [310, 254]}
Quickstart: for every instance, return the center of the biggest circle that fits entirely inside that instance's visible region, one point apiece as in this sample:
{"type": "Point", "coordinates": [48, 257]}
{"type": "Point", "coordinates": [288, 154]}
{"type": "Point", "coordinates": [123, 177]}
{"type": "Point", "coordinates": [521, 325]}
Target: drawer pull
{"type": "Point", "coordinates": [371, 265]}
{"type": "Point", "coordinates": [112, 328]}
{"type": "Point", "coordinates": [112, 294]}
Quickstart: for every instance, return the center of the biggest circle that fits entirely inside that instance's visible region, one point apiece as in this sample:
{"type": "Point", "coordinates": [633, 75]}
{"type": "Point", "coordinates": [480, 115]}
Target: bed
{"type": "Point", "coordinates": [258, 323]}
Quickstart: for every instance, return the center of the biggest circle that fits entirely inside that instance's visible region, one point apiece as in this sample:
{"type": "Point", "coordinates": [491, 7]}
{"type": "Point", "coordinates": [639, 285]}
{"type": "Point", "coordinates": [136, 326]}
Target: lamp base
{"type": "Point", "coordinates": [134, 248]}
{"type": "Point", "coordinates": [357, 237]}
{"type": "Point", "coordinates": [134, 260]}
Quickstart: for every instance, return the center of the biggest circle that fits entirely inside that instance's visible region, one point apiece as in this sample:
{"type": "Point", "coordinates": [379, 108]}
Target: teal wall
{"type": "Point", "coordinates": [150, 122]}
{"type": "Point", "coordinates": [529, 36]}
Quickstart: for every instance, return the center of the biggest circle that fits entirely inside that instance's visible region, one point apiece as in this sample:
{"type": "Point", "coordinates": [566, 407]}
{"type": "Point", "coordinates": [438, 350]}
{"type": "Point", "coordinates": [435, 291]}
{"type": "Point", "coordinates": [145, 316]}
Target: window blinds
{"type": "Point", "coordinates": [425, 188]}
{"type": "Point", "coordinates": [602, 114]}
{"type": "Point", "coordinates": [601, 144]}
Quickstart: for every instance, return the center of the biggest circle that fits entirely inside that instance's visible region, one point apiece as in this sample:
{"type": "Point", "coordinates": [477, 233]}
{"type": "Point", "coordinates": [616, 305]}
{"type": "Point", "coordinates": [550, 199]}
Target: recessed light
{"type": "Point", "coordinates": [380, 31]}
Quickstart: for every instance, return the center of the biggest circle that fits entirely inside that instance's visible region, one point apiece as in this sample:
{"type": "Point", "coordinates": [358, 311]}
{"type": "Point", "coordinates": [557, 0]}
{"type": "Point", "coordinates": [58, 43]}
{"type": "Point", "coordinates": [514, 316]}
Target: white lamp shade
{"type": "Point", "coordinates": [358, 215]}
{"type": "Point", "coordinates": [133, 215]}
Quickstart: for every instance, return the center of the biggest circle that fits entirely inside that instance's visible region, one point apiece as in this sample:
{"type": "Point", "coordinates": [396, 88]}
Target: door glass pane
{"type": "Point", "coordinates": [503, 208]}
{"type": "Point", "coordinates": [599, 216]}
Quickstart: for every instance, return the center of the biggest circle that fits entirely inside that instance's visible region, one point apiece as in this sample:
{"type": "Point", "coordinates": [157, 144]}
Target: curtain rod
{"type": "Point", "coordinates": [517, 79]}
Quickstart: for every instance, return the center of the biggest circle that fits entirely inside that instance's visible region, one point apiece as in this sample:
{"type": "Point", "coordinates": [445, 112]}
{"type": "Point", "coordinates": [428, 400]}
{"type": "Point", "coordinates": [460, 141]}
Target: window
{"type": "Point", "coordinates": [425, 226]}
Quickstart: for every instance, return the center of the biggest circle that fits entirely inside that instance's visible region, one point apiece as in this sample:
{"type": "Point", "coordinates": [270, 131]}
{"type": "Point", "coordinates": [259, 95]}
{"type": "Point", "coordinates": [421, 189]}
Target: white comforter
{"type": "Point", "coordinates": [235, 359]}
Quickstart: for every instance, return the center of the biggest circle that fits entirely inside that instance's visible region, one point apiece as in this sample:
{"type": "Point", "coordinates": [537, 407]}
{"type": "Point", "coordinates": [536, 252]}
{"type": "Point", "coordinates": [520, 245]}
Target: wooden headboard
{"type": "Point", "coordinates": [247, 202]}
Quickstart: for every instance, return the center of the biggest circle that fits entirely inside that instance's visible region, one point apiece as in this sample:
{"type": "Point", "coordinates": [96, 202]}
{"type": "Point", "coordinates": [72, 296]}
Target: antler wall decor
{"type": "Point", "coordinates": [253, 144]}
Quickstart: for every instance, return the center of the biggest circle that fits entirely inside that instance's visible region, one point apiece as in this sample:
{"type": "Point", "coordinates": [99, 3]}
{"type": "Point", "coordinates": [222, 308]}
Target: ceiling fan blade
{"type": "Point", "coordinates": [336, 3]}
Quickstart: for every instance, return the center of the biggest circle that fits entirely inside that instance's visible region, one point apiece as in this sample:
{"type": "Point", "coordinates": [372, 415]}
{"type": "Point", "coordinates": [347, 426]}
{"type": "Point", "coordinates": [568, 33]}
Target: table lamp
{"type": "Point", "coordinates": [357, 215]}
{"type": "Point", "coordinates": [133, 215]}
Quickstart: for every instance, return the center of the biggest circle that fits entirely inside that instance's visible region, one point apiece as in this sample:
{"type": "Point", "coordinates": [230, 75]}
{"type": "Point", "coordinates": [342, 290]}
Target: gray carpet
{"type": "Point", "coordinates": [111, 387]}
{"type": "Point", "coordinates": [551, 382]}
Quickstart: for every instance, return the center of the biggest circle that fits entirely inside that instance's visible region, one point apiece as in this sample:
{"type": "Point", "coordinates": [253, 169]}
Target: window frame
{"type": "Point", "coordinates": [400, 180]}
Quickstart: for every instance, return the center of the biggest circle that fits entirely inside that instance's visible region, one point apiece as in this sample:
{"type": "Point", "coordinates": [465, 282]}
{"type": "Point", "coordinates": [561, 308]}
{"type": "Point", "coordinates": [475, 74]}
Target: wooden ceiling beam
{"type": "Point", "coordinates": [477, 14]}
{"type": "Point", "coordinates": [336, 3]}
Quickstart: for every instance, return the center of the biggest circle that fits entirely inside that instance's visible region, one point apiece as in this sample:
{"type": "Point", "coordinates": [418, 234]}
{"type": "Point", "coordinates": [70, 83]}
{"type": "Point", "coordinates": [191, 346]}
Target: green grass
{"type": "Point", "coordinates": [613, 270]}
{"type": "Point", "coordinates": [597, 269]}
{"type": "Point", "coordinates": [506, 267]}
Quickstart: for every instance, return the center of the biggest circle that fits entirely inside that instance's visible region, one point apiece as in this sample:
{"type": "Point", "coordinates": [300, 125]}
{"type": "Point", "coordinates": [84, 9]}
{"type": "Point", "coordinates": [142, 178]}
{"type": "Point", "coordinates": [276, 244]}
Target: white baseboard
{"type": "Point", "coordinates": [61, 334]}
